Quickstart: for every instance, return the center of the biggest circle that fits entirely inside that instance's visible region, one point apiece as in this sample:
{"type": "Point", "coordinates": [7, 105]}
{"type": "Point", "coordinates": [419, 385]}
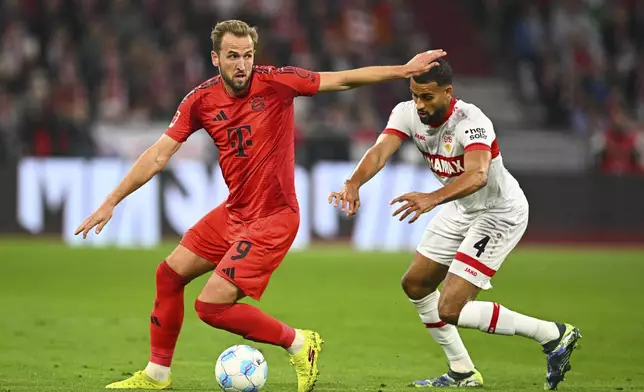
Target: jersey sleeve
{"type": "Point", "coordinates": [398, 123]}
{"type": "Point", "coordinates": [186, 120]}
{"type": "Point", "coordinates": [294, 81]}
{"type": "Point", "coordinates": [477, 135]}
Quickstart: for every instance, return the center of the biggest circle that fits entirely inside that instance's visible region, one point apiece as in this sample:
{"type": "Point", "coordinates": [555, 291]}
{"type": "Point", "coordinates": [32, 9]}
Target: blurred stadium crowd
{"type": "Point", "coordinates": [581, 62]}
{"type": "Point", "coordinates": [66, 65]}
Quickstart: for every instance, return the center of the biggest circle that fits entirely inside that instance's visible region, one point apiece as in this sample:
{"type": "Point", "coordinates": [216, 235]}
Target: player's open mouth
{"type": "Point", "coordinates": [422, 114]}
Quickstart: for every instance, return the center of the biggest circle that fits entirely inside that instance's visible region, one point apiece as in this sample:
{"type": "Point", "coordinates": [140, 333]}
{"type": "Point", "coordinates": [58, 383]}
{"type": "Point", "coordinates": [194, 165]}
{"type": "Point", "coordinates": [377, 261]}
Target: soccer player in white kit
{"type": "Point", "coordinates": [484, 217]}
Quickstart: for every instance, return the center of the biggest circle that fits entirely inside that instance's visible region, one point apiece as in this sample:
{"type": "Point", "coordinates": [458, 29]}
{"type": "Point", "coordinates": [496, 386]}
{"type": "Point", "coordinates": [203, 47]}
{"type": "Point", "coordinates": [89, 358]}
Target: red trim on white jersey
{"type": "Point", "coordinates": [472, 262]}
{"type": "Point", "coordinates": [393, 131]}
{"type": "Point", "coordinates": [482, 146]}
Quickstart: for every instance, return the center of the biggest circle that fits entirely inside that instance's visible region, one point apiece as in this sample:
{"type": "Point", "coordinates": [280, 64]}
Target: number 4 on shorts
{"type": "Point", "coordinates": [480, 246]}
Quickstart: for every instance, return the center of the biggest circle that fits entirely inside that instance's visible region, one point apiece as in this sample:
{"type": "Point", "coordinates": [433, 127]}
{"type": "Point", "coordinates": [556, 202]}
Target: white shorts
{"type": "Point", "coordinates": [473, 246]}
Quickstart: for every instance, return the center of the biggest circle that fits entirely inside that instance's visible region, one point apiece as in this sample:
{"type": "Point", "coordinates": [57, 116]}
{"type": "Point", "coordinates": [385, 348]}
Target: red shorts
{"type": "Point", "coordinates": [245, 252]}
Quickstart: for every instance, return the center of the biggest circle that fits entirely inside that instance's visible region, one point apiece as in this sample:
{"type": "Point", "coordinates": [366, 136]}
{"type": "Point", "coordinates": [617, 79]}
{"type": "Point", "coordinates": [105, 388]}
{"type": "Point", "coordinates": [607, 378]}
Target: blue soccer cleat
{"type": "Point", "coordinates": [452, 380]}
{"type": "Point", "coordinates": [558, 358]}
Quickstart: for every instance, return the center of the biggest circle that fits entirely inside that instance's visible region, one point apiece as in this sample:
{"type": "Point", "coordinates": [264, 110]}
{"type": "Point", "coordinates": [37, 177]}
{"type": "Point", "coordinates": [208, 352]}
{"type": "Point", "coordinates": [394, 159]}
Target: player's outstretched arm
{"type": "Point", "coordinates": [477, 165]}
{"type": "Point", "coordinates": [151, 162]}
{"type": "Point", "coordinates": [370, 164]}
{"type": "Point", "coordinates": [346, 80]}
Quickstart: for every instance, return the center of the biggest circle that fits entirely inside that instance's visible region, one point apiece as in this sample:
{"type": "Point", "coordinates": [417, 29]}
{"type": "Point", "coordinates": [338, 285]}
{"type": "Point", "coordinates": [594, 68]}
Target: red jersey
{"type": "Point", "coordinates": [254, 134]}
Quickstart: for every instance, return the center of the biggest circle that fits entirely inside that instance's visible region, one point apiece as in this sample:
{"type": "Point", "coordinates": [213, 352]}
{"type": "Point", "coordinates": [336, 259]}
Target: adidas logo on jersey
{"type": "Point", "coordinates": [221, 116]}
{"type": "Point", "coordinates": [446, 166]}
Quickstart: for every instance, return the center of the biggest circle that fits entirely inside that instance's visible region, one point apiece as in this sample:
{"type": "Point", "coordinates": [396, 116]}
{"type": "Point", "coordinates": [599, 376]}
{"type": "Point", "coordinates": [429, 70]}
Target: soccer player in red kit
{"type": "Point", "coordinates": [248, 112]}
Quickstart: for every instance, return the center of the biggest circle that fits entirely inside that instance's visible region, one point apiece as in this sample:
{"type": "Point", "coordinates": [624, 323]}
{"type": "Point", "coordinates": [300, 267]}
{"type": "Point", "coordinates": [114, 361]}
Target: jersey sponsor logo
{"type": "Point", "coordinates": [240, 139]}
{"type": "Point", "coordinates": [445, 166]}
{"type": "Point", "coordinates": [476, 133]}
{"type": "Point", "coordinates": [420, 137]}
{"type": "Point", "coordinates": [175, 118]}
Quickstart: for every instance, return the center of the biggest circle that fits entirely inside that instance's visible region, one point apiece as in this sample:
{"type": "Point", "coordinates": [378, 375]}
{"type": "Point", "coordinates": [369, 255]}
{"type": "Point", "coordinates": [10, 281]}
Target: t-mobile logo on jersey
{"type": "Point", "coordinates": [239, 138]}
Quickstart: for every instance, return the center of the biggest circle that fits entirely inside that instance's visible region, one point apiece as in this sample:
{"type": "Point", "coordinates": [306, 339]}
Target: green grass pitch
{"type": "Point", "coordinates": [77, 319]}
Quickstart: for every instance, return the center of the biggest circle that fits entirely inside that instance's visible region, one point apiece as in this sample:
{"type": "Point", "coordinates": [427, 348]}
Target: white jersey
{"type": "Point", "coordinates": [443, 147]}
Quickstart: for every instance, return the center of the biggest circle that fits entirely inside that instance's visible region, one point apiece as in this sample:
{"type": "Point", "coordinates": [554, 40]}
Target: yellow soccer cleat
{"type": "Point", "coordinates": [306, 361]}
{"type": "Point", "coordinates": [140, 380]}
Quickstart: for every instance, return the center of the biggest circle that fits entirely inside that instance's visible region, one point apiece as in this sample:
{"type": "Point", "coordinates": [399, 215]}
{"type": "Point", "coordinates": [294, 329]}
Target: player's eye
{"type": "Point", "coordinates": [248, 55]}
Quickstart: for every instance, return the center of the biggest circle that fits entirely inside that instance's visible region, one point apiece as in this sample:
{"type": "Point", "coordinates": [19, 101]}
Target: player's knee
{"type": "Point", "coordinates": [220, 291]}
{"type": "Point", "coordinates": [168, 279]}
{"type": "Point", "coordinates": [415, 287]}
{"type": "Point", "coordinates": [449, 310]}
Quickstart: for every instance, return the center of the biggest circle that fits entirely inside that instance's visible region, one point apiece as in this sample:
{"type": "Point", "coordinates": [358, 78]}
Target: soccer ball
{"type": "Point", "coordinates": [241, 368]}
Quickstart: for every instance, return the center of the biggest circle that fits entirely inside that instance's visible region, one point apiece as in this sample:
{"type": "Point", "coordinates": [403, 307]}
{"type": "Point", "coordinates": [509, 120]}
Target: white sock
{"type": "Point", "coordinates": [493, 318]}
{"type": "Point", "coordinates": [444, 334]}
{"type": "Point", "coordinates": [298, 343]}
{"type": "Point", "coordinates": [157, 372]}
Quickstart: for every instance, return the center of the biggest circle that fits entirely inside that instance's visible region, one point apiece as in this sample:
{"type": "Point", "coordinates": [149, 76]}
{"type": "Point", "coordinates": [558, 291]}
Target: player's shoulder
{"type": "Point", "coordinates": [465, 111]}
{"type": "Point", "coordinates": [467, 115]}
{"type": "Point", "coordinates": [270, 72]}
{"type": "Point", "coordinates": [203, 88]}
{"type": "Point", "coordinates": [405, 110]}
{"type": "Point", "coordinates": [264, 71]}
{"type": "Point", "coordinates": [406, 106]}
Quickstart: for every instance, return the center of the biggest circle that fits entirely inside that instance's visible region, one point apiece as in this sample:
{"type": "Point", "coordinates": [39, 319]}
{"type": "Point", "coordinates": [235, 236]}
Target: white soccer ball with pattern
{"type": "Point", "coordinates": [241, 368]}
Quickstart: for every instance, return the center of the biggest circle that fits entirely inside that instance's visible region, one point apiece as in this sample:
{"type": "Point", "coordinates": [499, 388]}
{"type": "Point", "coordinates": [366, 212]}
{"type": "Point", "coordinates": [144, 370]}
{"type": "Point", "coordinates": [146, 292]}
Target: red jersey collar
{"type": "Point", "coordinates": [447, 116]}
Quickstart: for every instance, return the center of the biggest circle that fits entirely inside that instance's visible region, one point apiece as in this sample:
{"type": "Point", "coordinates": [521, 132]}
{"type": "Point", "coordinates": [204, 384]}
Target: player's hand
{"type": "Point", "coordinates": [423, 62]}
{"type": "Point", "coordinates": [348, 198]}
{"type": "Point", "coordinates": [98, 219]}
{"type": "Point", "coordinates": [415, 202]}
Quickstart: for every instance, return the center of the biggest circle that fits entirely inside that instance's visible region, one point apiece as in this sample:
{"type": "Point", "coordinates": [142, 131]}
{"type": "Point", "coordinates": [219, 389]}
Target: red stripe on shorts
{"type": "Point", "coordinates": [436, 325]}
{"type": "Point", "coordinates": [472, 262]}
{"type": "Point", "coordinates": [495, 317]}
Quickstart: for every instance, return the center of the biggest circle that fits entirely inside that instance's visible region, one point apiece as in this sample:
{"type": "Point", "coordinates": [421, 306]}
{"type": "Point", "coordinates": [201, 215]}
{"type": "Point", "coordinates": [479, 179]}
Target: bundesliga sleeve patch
{"type": "Point", "coordinates": [175, 118]}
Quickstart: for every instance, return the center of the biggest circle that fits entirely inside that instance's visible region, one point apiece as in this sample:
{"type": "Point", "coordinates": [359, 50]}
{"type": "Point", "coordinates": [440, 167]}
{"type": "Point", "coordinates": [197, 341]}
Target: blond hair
{"type": "Point", "coordinates": [237, 28]}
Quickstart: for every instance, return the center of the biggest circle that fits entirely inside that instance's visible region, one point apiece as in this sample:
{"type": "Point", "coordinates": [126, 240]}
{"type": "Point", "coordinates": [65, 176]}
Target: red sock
{"type": "Point", "coordinates": [167, 315]}
{"type": "Point", "coordinates": [247, 321]}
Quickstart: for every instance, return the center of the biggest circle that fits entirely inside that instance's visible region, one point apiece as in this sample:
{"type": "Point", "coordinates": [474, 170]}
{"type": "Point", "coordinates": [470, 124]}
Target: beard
{"type": "Point", "coordinates": [235, 84]}
{"type": "Point", "coordinates": [435, 118]}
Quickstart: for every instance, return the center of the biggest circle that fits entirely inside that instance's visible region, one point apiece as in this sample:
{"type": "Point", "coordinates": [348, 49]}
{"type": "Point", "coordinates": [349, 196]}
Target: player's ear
{"type": "Point", "coordinates": [448, 91]}
{"type": "Point", "coordinates": [215, 58]}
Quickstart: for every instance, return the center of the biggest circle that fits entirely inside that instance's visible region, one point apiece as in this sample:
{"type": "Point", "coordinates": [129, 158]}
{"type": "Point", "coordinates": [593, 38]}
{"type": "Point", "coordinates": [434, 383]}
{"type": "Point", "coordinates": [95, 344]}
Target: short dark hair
{"type": "Point", "coordinates": [235, 27]}
{"type": "Point", "coordinates": [441, 74]}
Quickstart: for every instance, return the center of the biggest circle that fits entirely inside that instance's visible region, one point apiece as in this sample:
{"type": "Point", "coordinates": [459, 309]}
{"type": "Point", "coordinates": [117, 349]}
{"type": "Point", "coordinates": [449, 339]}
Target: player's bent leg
{"type": "Point", "coordinates": [201, 247]}
{"type": "Point", "coordinates": [423, 277]}
{"type": "Point", "coordinates": [558, 340]}
{"type": "Point", "coordinates": [420, 283]}
{"type": "Point", "coordinates": [166, 319]}
{"type": "Point", "coordinates": [246, 270]}
{"type": "Point", "coordinates": [490, 239]}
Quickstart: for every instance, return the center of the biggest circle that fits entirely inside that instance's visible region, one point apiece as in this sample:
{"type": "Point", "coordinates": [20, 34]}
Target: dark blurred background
{"type": "Point", "coordinates": [562, 80]}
